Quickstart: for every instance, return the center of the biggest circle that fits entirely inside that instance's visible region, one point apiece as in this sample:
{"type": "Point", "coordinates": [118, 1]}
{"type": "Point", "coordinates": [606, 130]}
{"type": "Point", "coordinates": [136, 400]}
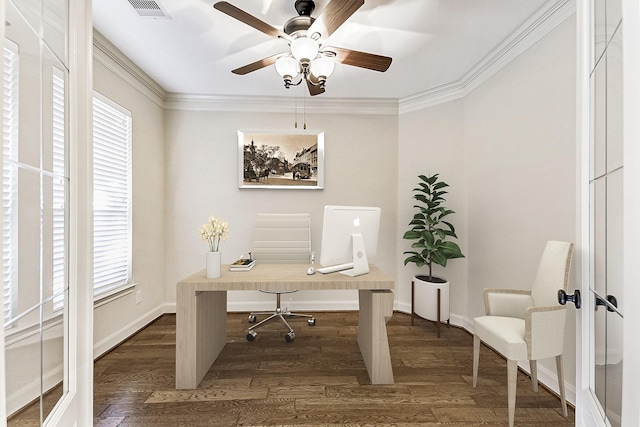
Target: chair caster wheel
{"type": "Point", "coordinates": [311, 322]}
{"type": "Point", "coordinates": [290, 337]}
{"type": "Point", "coordinates": [252, 318]}
{"type": "Point", "coordinates": [251, 335]}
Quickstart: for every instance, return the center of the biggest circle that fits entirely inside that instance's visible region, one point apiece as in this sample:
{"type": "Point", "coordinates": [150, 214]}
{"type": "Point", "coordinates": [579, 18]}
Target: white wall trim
{"type": "Point", "coordinates": [266, 104]}
{"type": "Point", "coordinates": [126, 331]}
{"type": "Point", "coordinates": [18, 399]}
{"type": "Point", "coordinates": [114, 60]}
{"type": "Point", "coordinates": [541, 23]}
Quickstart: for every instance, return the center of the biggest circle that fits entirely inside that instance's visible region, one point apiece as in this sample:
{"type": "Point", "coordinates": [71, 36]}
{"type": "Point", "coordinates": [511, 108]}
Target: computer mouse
{"type": "Point", "coordinates": [311, 271]}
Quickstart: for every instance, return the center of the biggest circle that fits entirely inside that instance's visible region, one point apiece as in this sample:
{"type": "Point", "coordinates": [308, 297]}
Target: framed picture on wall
{"type": "Point", "coordinates": [274, 160]}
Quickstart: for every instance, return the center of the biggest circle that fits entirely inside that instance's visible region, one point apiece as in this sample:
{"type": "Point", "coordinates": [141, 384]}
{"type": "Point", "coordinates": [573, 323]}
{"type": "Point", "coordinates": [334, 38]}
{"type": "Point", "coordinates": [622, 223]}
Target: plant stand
{"type": "Point", "coordinates": [430, 301]}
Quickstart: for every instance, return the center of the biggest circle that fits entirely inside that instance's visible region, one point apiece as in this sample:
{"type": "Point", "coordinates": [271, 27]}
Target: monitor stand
{"type": "Point", "coordinates": [360, 262]}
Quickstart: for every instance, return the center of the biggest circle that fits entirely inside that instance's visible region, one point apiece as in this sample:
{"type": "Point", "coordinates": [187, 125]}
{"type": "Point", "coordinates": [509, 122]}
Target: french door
{"type": "Point", "coordinates": [609, 83]}
{"type": "Point", "coordinates": [47, 345]}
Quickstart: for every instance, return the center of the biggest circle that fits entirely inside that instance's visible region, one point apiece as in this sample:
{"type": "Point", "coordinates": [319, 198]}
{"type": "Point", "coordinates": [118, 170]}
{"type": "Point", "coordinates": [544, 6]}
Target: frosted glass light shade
{"type": "Point", "coordinates": [304, 48]}
{"type": "Point", "coordinates": [322, 67]}
{"type": "Point", "coordinates": [287, 66]}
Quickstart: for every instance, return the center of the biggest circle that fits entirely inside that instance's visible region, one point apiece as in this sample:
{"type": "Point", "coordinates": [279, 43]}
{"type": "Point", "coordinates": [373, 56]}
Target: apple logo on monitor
{"type": "Point", "coordinates": [356, 222]}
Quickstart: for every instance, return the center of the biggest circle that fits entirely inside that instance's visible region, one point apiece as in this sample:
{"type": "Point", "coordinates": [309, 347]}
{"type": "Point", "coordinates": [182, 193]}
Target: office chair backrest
{"type": "Point", "coordinates": [282, 238]}
{"type": "Point", "coordinates": [553, 273]}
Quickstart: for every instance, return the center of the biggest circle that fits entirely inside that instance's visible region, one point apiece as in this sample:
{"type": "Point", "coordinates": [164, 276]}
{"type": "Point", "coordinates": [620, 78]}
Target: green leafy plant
{"type": "Point", "coordinates": [428, 227]}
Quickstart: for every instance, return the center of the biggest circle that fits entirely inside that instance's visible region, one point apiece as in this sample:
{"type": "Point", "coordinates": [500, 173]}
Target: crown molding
{"type": "Point", "coordinates": [177, 101]}
{"type": "Point", "coordinates": [113, 59]}
{"type": "Point", "coordinates": [546, 19]}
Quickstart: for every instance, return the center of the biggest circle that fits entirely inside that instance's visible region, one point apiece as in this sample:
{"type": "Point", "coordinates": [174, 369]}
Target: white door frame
{"type": "Point", "coordinates": [631, 146]}
{"type": "Point", "coordinates": [76, 408]}
{"type": "Point", "coordinates": [3, 394]}
{"type": "Point", "coordinates": [587, 409]}
{"type": "Point", "coordinates": [587, 413]}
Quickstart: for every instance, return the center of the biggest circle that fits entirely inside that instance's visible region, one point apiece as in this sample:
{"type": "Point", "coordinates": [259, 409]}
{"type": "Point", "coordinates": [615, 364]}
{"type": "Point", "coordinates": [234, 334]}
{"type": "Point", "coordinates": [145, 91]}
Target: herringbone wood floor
{"type": "Point", "coordinates": [318, 380]}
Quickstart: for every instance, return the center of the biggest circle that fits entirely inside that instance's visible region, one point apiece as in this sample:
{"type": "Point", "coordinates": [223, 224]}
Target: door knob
{"type": "Point", "coordinates": [613, 302]}
{"type": "Point", "coordinates": [563, 298]}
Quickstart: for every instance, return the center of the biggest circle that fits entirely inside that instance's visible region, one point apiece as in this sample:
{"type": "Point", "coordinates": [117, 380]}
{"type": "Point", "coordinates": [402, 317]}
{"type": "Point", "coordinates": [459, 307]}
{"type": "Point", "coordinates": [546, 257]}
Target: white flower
{"type": "Point", "coordinates": [213, 231]}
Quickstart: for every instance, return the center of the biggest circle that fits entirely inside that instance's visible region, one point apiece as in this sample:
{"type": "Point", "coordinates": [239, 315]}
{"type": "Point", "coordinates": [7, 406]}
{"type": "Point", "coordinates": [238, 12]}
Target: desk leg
{"type": "Point", "coordinates": [201, 333]}
{"type": "Point", "coordinates": [376, 308]}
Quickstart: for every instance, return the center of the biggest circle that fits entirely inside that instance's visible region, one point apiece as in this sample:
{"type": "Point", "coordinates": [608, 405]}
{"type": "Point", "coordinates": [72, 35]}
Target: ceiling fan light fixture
{"type": "Point", "coordinates": [287, 66]}
{"type": "Point", "coordinates": [322, 67]}
{"type": "Point", "coordinates": [304, 48]}
{"type": "Point", "coordinates": [304, 63]}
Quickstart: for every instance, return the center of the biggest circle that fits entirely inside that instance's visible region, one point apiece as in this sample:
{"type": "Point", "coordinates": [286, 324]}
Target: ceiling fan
{"type": "Point", "coordinates": [308, 59]}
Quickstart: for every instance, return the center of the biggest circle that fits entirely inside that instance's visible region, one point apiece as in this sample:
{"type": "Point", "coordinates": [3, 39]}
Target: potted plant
{"type": "Point", "coordinates": [429, 232]}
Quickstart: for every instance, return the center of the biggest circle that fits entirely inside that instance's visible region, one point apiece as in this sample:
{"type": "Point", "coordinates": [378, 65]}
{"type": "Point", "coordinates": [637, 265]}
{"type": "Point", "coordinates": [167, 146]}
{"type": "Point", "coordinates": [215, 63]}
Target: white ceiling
{"type": "Point", "coordinates": [432, 43]}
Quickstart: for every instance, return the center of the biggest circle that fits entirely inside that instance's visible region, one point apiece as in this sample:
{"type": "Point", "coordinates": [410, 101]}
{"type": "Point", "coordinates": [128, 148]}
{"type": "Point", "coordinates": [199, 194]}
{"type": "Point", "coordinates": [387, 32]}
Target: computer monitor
{"type": "Point", "coordinates": [349, 239]}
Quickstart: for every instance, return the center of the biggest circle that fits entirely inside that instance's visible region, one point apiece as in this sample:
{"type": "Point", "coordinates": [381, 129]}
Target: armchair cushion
{"type": "Point", "coordinates": [507, 302]}
{"type": "Point", "coordinates": [506, 335]}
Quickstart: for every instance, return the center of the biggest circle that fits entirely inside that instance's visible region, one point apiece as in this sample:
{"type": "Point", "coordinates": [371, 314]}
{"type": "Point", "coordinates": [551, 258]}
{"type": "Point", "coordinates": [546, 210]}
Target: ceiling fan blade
{"type": "Point", "coordinates": [256, 65]}
{"type": "Point", "coordinates": [334, 15]}
{"type": "Point", "coordinates": [252, 21]}
{"type": "Point", "coordinates": [360, 59]}
{"type": "Point", "coordinates": [313, 89]}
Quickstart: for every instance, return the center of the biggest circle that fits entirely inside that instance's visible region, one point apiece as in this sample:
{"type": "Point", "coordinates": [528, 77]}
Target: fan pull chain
{"type": "Point", "coordinates": [304, 111]}
{"type": "Point", "coordinates": [295, 109]}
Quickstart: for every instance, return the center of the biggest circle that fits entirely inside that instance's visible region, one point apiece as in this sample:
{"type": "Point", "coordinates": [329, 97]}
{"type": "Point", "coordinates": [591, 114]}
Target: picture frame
{"type": "Point", "coordinates": [281, 160]}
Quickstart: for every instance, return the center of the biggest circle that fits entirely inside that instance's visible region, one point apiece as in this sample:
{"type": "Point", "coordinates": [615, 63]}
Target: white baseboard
{"type": "Point", "coordinates": [126, 331]}
{"type": "Point", "coordinates": [550, 380]}
{"type": "Point", "coordinates": [546, 377]}
{"type": "Point", "coordinates": [18, 399]}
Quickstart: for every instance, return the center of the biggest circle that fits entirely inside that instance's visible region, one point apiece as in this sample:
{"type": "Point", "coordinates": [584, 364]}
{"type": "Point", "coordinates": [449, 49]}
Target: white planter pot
{"type": "Point", "coordinates": [425, 299]}
{"type": "Point", "coordinates": [213, 265]}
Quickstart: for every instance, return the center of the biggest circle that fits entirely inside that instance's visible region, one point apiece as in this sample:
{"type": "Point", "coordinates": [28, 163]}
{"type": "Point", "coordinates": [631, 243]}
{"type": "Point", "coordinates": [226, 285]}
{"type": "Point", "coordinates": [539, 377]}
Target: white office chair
{"type": "Point", "coordinates": [281, 239]}
{"type": "Point", "coordinates": [527, 325]}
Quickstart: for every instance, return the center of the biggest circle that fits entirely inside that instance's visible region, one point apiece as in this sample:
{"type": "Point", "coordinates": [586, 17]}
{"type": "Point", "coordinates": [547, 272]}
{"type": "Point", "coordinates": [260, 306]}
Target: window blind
{"type": "Point", "coordinates": [9, 180]}
{"type": "Point", "coordinates": [59, 191]}
{"type": "Point", "coordinates": [112, 195]}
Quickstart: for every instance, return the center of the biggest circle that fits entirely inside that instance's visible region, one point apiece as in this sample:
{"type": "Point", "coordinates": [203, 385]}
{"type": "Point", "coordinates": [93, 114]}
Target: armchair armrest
{"type": "Point", "coordinates": [544, 331]}
{"type": "Point", "coordinates": [507, 302]}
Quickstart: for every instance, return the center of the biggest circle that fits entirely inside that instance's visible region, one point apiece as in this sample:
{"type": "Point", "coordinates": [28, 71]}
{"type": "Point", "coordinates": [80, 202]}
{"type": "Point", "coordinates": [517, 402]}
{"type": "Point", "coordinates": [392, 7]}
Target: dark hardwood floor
{"type": "Point", "coordinates": [318, 380]}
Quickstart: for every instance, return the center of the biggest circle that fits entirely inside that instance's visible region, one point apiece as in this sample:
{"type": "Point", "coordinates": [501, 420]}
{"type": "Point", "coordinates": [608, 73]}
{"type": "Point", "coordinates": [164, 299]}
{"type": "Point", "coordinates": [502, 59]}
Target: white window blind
{"type": "Point", "coordinates": [59, 191]}
{"type": "Point", "coordinates": [112, 195]}
{"type": "Point", "coordinates": [9, 180]}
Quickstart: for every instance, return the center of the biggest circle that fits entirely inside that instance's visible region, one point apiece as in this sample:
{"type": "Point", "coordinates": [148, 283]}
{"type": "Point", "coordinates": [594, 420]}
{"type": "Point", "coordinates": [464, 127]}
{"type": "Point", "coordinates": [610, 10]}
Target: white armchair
{"type": "Point", "coordinates": [527, 325]}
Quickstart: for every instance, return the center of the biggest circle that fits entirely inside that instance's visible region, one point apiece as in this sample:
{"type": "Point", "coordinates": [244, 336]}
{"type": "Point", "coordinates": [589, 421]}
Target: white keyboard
{"type": "Point", "coordinates": [334, 268]}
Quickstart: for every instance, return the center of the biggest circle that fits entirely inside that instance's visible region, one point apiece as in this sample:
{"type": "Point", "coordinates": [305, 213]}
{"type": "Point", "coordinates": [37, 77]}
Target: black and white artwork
{"type": "Point", "coordinates": [281, 160]}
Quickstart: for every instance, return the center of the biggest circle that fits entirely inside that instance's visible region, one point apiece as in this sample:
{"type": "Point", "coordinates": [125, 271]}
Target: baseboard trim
{"type": "Point", "coordinates": [126, 331]}
{"type": "Point", "coordinates": [19, 399]}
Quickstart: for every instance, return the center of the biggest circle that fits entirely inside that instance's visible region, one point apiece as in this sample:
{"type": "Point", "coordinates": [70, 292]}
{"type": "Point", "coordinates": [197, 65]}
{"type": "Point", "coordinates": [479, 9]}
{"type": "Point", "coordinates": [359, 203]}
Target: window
{"type": "Point", "coordinates": [111, 195]}
{"type": "Point", "coordinates": [9, 181]}
{"type": "Point", "coordinates": [59, 191]}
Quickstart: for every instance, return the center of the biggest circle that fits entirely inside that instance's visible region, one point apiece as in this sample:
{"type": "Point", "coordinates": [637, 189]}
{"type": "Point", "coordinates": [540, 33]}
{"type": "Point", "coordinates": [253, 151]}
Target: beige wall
{"type": "Point", "coordinates": [118, 319]}
{"type": "Point", "coordinates": [202, 178]}
{"type": "Point", "coordinates": [432, 141]}
{"type": "Point", "coordinates": [508, 151]}
{"type": "Point", "coordinates": [521, 138]}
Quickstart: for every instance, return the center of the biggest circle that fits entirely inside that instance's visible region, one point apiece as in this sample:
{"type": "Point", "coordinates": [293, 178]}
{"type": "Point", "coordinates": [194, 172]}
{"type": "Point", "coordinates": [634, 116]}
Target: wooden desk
{"type": "Point", "coordinates": [201, 314]}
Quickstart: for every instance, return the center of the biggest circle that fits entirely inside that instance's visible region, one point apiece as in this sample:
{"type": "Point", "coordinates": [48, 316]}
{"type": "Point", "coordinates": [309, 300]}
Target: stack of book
{"type": "Point", "coordinates": [243, 264]}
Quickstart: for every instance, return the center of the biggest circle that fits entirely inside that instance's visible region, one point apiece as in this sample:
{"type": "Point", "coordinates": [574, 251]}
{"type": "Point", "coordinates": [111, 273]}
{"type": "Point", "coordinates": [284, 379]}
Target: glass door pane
{"type": "Point", "coordinates": [35, 196]}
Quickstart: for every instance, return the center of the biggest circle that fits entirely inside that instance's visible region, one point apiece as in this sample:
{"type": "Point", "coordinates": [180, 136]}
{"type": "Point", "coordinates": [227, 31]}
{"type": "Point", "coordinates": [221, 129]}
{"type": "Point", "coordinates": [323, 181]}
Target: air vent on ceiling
{"type": "Point", "coordinates": [149, 9]}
